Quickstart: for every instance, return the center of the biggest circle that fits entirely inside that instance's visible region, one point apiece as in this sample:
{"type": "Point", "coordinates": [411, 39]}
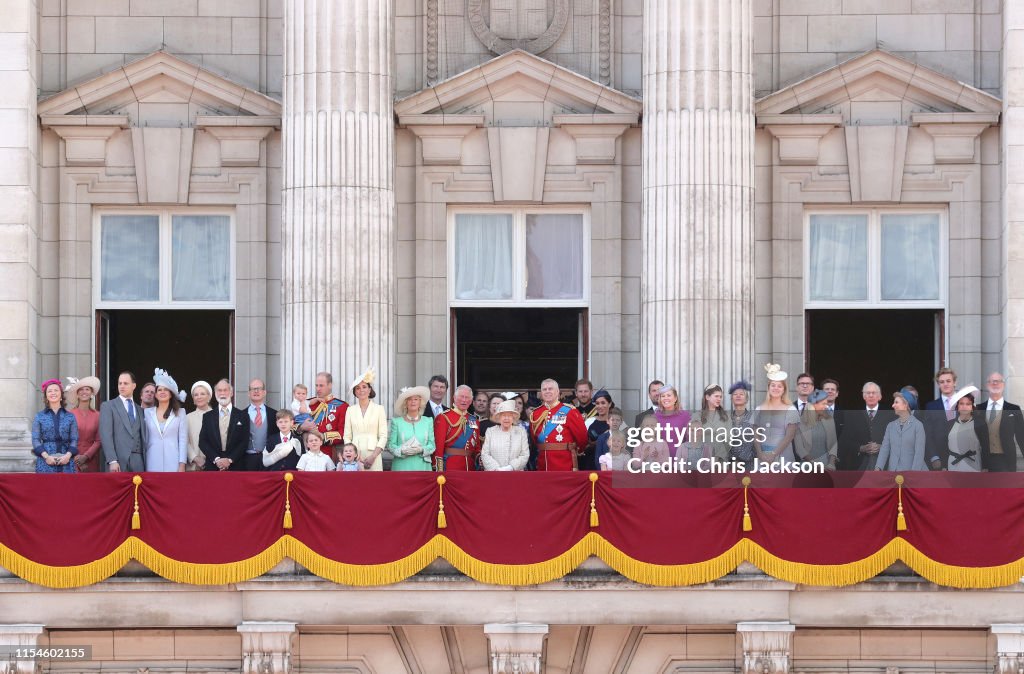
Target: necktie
{"type": "Point", "coordinates": [871, 415]}
{"type": "Point", "coordinates": [991, 411]}
{"type": "Point", "coordinates": [223, 412]}
{"type": "Point", "coordinates": [949, 410]}
{"type": "Point", "coordinates": [259, 418]}
{"type": "Point", "coordinates": [802, 405]}
{"type": "Point", "coordinates": [130, 406]}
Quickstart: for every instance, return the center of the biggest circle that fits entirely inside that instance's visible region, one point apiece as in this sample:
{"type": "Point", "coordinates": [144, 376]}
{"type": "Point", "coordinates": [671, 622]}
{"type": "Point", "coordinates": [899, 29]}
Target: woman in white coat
{"type": "Point", "coordinates": [167, 428]}
{"type": "Point", "coordinates": [506, 446]}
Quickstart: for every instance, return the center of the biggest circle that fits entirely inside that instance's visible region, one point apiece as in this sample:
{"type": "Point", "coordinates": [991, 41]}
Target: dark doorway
{"type": "Point", "coordinates": [514, 349]}
{"type": "Point", "coordinates": [190, 345]}
{"type": "Point", "coordinates": [893, 347]}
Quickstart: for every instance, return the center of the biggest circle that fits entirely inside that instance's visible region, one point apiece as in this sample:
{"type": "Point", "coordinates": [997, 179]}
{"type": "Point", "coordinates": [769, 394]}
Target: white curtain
{"type": "Point", "coordinates": [839, 257]}
{"type": "Point", "coordinates": [910, 256]}
{"type": "Point", "coordinates": [483, 256]}
{"type": "Point", "coordinates": [200, 258]}
{"type": "Point", "coordinates": [554, 256]}
{"type": "Point", "coordinates": [130, 258]}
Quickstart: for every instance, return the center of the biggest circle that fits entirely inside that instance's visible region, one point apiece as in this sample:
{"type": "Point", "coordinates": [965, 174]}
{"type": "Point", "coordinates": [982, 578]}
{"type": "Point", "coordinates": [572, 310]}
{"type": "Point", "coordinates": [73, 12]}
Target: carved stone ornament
{"type": "Point", "coordinates": [517, 39]}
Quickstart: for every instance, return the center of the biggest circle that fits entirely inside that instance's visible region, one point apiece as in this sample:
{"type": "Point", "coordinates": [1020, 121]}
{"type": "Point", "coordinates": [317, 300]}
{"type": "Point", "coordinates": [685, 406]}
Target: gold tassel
{"type": "Point", "coordinates": [901, 520]}
{"type": "Point", "coordinates": [136, 520]}
{"type": "Point", "coordinates": [288, 477]}
{"type": "Point", "coordinates": [442, 521]}
{"type": "Point", "coordinates": [593, 503]}
{"type": "Point", "coordinates": [747, 524]}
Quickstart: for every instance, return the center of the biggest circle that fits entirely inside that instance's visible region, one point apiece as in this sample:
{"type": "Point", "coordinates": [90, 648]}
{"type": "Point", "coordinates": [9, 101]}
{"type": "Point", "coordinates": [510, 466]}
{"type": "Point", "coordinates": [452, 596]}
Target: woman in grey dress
{"type": "Point", "coordinates": [167, 429]}
{"type": "Point", "coordinates": [904, 440]}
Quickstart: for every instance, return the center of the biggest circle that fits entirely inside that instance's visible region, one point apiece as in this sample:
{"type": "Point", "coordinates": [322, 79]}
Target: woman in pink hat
{"type": "Point", "coordinates": [54, 432]}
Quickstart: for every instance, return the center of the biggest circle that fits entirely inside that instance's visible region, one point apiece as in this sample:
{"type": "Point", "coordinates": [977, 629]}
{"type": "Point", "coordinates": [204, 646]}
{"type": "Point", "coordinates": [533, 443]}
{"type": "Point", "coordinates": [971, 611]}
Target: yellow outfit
{"type": "Point", "coordinates": [367, 431]}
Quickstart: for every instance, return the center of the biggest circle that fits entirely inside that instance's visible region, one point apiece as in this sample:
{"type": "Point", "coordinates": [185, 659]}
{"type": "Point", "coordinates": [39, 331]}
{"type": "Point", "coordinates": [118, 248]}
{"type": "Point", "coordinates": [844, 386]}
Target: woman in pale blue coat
{"type": "Point", "coordinates": [167, 439]}
{"type": "Point", "coordinates": [903, 444]}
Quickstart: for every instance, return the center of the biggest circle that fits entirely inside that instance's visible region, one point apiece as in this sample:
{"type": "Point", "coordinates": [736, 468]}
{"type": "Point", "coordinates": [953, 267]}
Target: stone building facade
{"type": "Point", "coordinates": [273, 187]}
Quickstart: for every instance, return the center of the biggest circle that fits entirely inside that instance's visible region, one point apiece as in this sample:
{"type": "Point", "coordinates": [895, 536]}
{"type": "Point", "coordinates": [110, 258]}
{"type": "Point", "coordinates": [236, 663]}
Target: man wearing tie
{"type": "Point", "coordinates": [261, 418]}
{"type": "Point", "coordinates": [863, 431]}
{"type": "Point", "coordinates": [804, 388]}
{"type": "Point", "coordinates": [224, 435]}
{"type": "Point", "coordinates": [937, 413]}
{"type": "Point", "coordinates": [122, 433]}
{"type": "Point", "coordinates": [831, 388]}
{"type": "Point", "coordinates": [1005, 426]}
{"type": "Point", "coordinates": [438, 386]}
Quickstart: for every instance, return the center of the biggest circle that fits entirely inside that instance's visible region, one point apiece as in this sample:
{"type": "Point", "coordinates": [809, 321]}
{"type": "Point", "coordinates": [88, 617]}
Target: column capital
{"type": "Point", "coordinates": [19, 635]}
{"type": "Point", "coordinates": [266, 647]}
{"type": "Point", "coordinates": [516, 647]}
{"type": "Point", "coordinates": [767, 646]}
{"type": "Point", "coordinates": [1009, 647]}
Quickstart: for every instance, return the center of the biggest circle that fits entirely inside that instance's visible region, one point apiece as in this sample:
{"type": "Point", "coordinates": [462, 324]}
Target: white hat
{"type": "Point", "coordinates": [409, 391]}
{"type": "Point", "coordinates": [955, 398]}
{"type": "Point", "coordinates": [161, 378]}
{"type": "Point", "coordinates": [202, 384]}
{"type": "Point", "coordinates": [507, 406]}
{"type": "Point", "coordinates": [775, 372]}
{"type": "Point", "coordinates": [74, 384]}
{"type": "Point", "coordinates": [368, 376]}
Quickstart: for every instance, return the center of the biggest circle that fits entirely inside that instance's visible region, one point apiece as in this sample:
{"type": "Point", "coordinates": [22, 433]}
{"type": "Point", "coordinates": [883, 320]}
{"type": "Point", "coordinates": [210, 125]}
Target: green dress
{"type": "Point", "coordinates": [403, 431]}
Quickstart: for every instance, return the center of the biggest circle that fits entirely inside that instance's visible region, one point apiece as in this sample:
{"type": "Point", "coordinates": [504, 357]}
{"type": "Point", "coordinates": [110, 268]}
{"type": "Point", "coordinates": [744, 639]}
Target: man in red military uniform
{"type": "Point", "coordinates": [328, 415]}
{"type": "Point", "coordinates": [457, 434]}
{"type": "Point", "coordinates": [558, 429]}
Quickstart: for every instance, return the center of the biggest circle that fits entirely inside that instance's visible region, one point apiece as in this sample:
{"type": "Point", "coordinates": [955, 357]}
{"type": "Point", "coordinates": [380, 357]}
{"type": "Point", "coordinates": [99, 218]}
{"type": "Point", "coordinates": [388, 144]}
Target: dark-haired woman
{"type": "Point", "coordinates": [709, 431]}
{"type": "Point", "coordinates": [166, 427]}
{"type": "Point", "coordinates": [54, 433]}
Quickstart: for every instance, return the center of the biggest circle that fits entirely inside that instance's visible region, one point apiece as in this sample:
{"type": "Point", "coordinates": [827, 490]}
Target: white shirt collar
{"type": "Point", "coordinates": [873, 409]}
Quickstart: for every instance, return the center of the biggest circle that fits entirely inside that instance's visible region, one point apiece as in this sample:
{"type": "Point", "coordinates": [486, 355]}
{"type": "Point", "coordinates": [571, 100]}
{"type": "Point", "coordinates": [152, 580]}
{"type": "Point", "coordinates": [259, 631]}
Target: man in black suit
{"type": "Point", "coordinates": [804, 388]}
{"type": "Point", "coordinates": [863, 431]}
{"type": "Point", "coordinates": [438, 386]}
{"type": "Point", "coordinates": [831, 388]}
{"type": "Point", "coordinates": [1005, 426]}
{"type": "Point", "coordinates": [224, 435]}
{"type": "Point", "coordinates": [652, 392]}
{"type": "Point", "coordinates": [936, 414]}
{"type": "Point", "coordinates": [261, 424]}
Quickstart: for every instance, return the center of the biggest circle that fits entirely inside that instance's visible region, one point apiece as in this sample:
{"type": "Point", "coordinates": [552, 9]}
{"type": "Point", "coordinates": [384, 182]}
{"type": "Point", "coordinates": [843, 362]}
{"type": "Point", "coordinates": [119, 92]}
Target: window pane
{"type": "Point", "coordinates": [483, 256]}
{"type": "Point", "coordinates": [839, 257]}
{"type": "Point", "coordinates": [200, 258]}
{"type": "Point", "coordinates": [910, 256]}
{"type": "Point", "coordinates": [130, 258]}
{"type": "Point", "coordinates": [554, 256]}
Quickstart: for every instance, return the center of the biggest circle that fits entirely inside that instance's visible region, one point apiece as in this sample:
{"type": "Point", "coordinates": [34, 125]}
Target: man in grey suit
{"type": "Point", "coordinates": [122, 433]}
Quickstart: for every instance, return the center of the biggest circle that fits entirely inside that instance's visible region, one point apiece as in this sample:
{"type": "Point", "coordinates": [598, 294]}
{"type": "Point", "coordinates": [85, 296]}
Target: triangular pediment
{"type": "Point", "coordinates": [159, 78]}
{"type": "Point", "coordinates": [890, 83]}
{"type": "Point", "coordinates": [518, 78]}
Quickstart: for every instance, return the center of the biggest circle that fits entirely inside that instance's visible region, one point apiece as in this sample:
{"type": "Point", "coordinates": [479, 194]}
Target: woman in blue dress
{"type": "Point", "coordinates": [54, 433]}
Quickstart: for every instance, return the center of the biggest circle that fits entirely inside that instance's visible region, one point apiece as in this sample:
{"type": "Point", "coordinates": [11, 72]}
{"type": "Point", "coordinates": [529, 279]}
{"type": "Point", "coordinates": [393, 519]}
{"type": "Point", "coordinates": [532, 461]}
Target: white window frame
{"type": "Point", "coordinates": [874, 299]}
{"type": "Point", "coordinates": [164, 216]}
{"type": "Point", "coordinates": [519, 279]}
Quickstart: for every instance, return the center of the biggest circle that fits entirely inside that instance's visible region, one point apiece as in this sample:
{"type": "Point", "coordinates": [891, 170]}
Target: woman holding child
{"type": "Point", "coordinates": [411, 440]}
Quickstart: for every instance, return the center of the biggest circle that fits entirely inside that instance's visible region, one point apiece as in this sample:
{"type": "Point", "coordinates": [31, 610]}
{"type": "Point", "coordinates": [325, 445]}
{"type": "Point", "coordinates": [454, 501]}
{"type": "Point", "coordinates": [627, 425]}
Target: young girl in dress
{"type": "Point", "coordinates": [616, 457]}
{"type": "Point", "coordinates": [314, 459]}
{"type": "Point", "coordinates": [350, 462]}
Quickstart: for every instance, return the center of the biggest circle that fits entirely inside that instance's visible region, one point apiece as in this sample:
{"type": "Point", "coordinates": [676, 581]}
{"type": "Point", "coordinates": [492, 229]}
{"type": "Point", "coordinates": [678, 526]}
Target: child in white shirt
{"type": "Point", "coordinates": [314, 459]}
{"type": "Point", "coordinates": [299, 406]}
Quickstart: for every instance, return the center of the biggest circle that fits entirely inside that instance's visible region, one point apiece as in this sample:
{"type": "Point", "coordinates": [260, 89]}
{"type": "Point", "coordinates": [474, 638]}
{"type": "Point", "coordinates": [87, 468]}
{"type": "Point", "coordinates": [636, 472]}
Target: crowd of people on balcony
{"type": "Point", "coordinates": [513, 431]}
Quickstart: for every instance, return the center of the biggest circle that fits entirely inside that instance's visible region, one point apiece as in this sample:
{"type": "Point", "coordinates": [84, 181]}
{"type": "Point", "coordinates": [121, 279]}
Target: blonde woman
{"type": "Point", "coordinates": [779, 419]}
{"type": "Point", "coordinates": [366, 422]}
{"type": "Point", "coordinates": [202, 394]}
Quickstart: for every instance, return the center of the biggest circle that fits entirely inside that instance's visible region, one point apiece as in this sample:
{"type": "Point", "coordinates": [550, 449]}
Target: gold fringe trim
{"type": "Point", "coordinates": [593, 544]}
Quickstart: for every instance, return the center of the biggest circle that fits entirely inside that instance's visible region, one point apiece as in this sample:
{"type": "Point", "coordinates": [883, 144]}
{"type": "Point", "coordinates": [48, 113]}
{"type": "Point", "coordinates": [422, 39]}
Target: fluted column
{"type": "Point", "coordinates": [338, 203]}
{"type": "Point", "coordinates": [698, 194]}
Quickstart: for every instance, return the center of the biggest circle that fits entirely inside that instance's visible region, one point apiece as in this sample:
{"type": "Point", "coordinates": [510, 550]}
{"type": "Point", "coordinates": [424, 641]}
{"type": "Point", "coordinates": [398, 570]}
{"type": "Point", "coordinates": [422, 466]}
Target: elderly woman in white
{"type": "Point", "coordinates": [506, 447]}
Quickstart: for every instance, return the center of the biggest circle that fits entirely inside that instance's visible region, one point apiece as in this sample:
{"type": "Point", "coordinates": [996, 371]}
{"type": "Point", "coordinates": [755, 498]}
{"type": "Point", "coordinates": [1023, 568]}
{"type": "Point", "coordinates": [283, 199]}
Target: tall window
{"type": "Point", "coordinates": [520, 256]}
{"type": "Point", "coordinates": [885, 258]}
{"type": "Point", "coordinates": [151, 259]}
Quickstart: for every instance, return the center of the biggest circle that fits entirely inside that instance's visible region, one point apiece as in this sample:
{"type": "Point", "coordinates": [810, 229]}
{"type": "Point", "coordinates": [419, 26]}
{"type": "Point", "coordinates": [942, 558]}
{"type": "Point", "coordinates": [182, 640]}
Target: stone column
{"type": "Point", "coordinates": [696, 307]}
{"type": "Point", "coordinates": [516, 647]}
{"type": "Point", "coordinates": [266, 647]}
{"type": "Point", "coordinates": [18, 636]}
{"type": "Point", "coordinates": [1009, 648]}
{"type": "Point", "coordinates": [338, 203]}
{"type": "Point", "coordinates": [19, 241]}
{"type": "Point", "coordinates": [1012, 287]}
{"type": "Point", "coordinates": [767, 647]}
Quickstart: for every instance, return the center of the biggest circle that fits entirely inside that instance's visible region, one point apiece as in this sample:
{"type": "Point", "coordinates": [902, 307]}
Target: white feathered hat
{"type": "Point", "coordinates": [161, 378]}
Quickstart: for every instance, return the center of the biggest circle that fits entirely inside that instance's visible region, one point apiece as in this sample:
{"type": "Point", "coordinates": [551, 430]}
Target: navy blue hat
{"type": "Point", "coordinates": [741, 384]}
